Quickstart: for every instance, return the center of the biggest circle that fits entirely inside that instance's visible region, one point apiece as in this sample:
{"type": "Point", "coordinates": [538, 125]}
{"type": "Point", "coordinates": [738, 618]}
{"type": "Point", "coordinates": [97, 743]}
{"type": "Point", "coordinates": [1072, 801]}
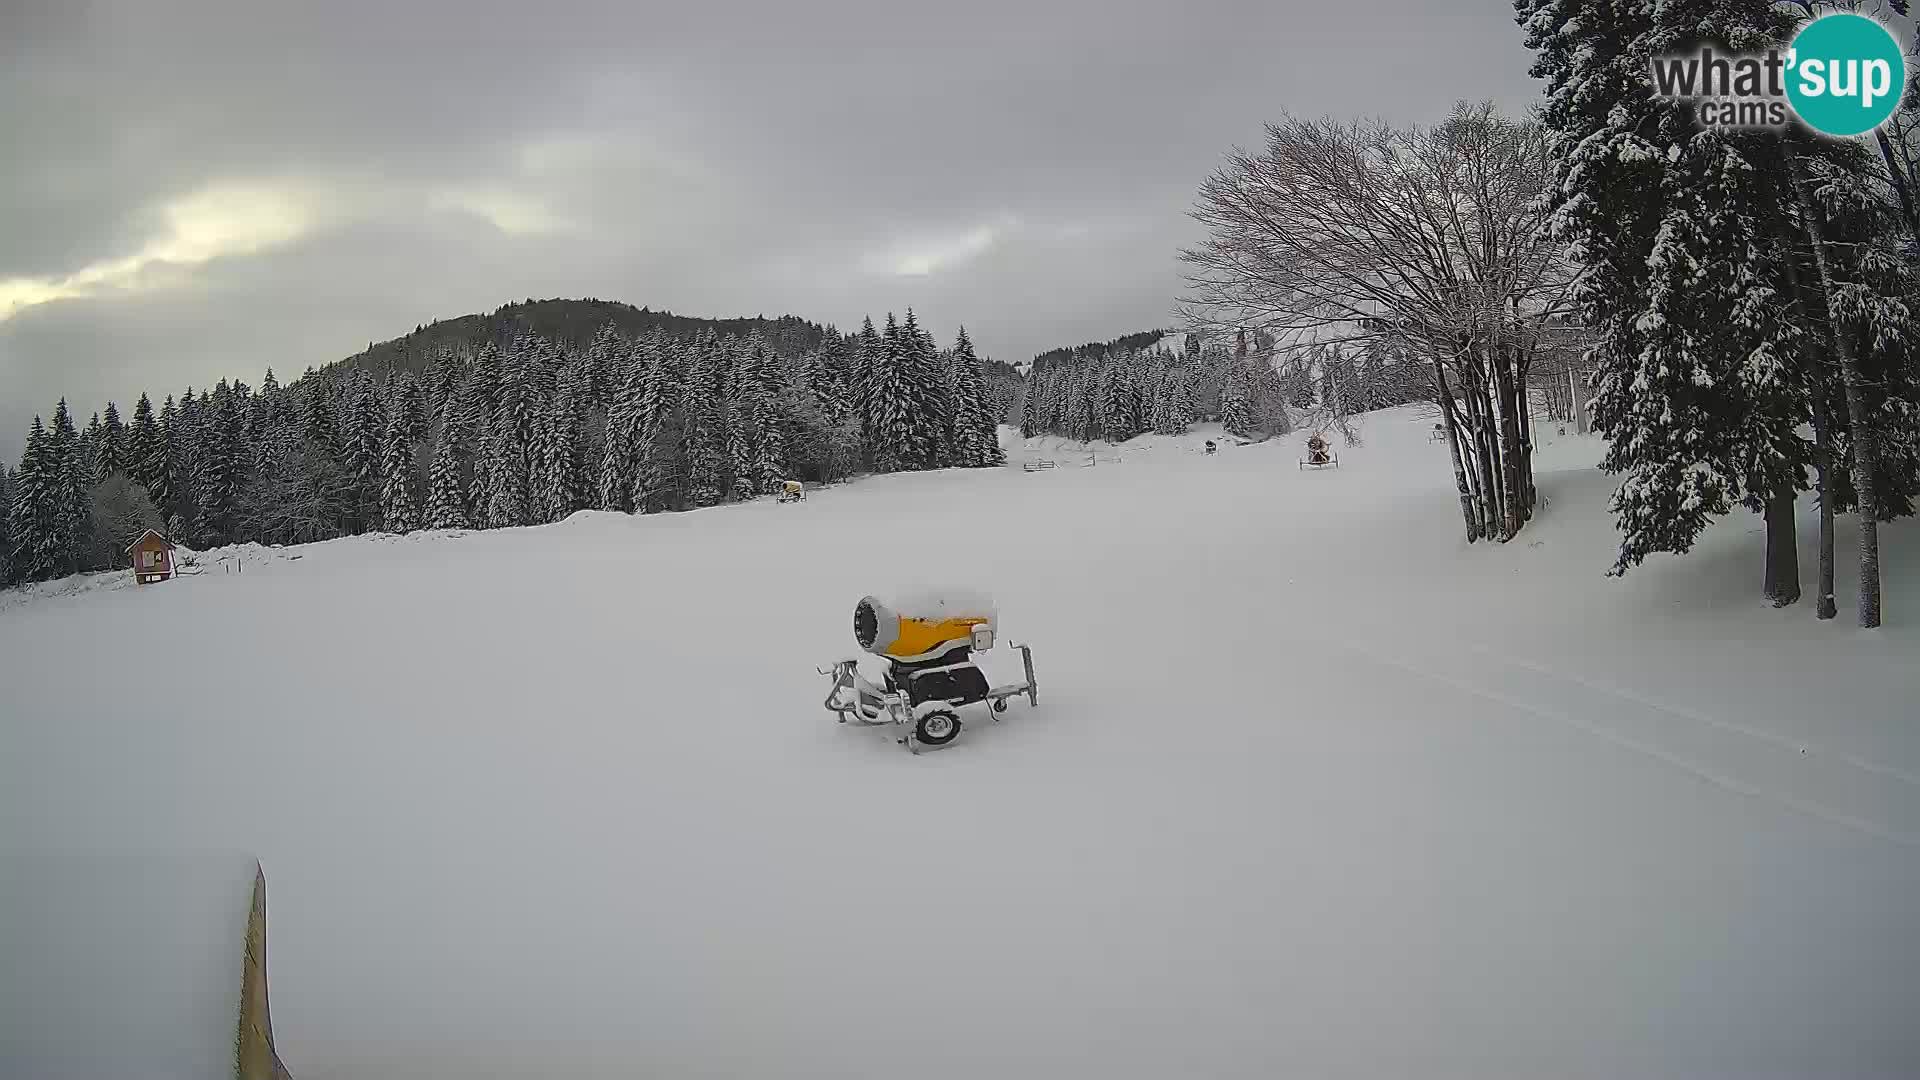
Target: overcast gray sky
{"type": "Point", "coordinates": [190, 190]}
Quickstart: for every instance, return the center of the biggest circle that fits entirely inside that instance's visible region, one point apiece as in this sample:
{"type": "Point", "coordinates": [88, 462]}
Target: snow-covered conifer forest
{"type": "Point", "coordinates": [518, 430]}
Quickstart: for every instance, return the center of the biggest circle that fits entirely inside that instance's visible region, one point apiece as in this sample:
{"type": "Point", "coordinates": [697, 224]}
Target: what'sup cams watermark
{"type": "Point", "coordinates": [1842, 75]}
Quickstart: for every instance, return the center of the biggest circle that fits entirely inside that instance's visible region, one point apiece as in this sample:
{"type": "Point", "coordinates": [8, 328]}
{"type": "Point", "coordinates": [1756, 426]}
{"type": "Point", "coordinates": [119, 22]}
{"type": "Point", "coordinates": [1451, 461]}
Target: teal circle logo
{"type": "Point", "coordinates": [1845, 74]}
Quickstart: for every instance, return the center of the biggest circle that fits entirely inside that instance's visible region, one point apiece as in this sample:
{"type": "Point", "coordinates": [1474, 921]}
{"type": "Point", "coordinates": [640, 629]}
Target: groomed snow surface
{"type": "Point", "coordinates": [1314, 788]}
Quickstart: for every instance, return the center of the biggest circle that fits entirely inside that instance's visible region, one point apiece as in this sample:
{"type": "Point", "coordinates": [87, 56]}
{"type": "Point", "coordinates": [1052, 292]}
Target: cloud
{"type": "Point", "coordinates": [834, 159]}
{"type": "Point", "coordinates": [214, 222]}
{"type": "Point", "coordinates": [511, 212]}
{"type": "Point", "coordinates": [928, 254]}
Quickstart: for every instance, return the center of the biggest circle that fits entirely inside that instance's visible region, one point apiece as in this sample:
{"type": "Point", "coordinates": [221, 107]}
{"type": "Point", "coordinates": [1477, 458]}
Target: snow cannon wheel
{"type": "Point", "coordinates": [999, 704]}
{"type": "Point", "coordinates": [937, 727]}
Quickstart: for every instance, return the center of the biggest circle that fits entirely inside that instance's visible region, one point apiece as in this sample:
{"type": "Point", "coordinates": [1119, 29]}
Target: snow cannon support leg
{"type": "Point", "coordinates": [853, 697]}
{"type": "Point", "coordinates": [1033, 687]}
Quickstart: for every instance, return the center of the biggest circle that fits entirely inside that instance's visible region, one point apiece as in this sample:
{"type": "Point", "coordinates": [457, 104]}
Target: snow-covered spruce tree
{"type": "Point", "coordinates": [583, 428]}
{"type": "Point", "coordinates": [763, 386]}
{"type": "Point", "coordinates": [737, 420]}
{"type": "Point", "coordinates": [1077, 403]}
{"type": "Point", "coordinates": [399, 507]}
{"type": "Point", "coordinates": [143, 444]}
{"type": "Point", "coordinates": [1031, 407]}
{"type": "Point", "coordinates": [1112, 397]}
{"type": "Point", "coordinates": [976, 426]}
{"type": "Point", "coordinates": [443, 379]}
{"type": "Point", "coordinates": [320, 423]}
{"type": "Point", "coordinates": [1173, 416]}
{"type": "Point", "coordinates": [90, 438]}
{"type": "Point", "coordinates": [219, 468]}
{"type": "Point", "coordinates": [1678, 228]}
{"type": "Point", "coordinates": [889, 427]}
{"type": "Point", "coordinates": [827, 379]}
{"type": "Point", "coordinates": [944, 402]}
{"type": "Point", "coordinates": [361, 429]}
{"type": "Point", "coordinates": [870, 359]}
{"type": "Point", "coordinates": [480, 393]}
{"type": "Point", "coordinates": [185, 435]}
{"type": "Point", "coordinates": [279, 443]}
{"type": "Point", "coordinates": [704, 424]}
{"type": "Point", "coordinates": [556, 489]}
{"type": "Point", "coordinates": [446, 495]}
{"type": "Point", "coordinates": [605, 367]}
{"type": "Point", "coordinates": [35, 513]}
{"type": "Point", "coordinates": [660, 474]}
{"type": "Point", "coordinates": [110, 448]}
{"type": "Point", "coordinates": [506, 477]}
{"type": "Point", "coordinates": [73, 478]}
{"type": "Point", "coordinates": [161, 471]}
{"type": "Point", "coordinates": [1235, 414]}
{"type": "Point", "coordinates": [525, 383]}
{"type": "Point", "coordinates": [479, 484]}
{"type": "Point", "coordinates": [408, 405]}
{"type": "Point", "coordinates": [1143, 377]}
{"type": "Point", "coordinates": [918, 373]}
{"type": "Point", "coordinates": [7, 572]}
{"type": "Point", "coordinates": [617, 456]}
{"type": "Point", "coordinates": [259, 428]}
{"type": "Point", "coordinates": [1298, 386]}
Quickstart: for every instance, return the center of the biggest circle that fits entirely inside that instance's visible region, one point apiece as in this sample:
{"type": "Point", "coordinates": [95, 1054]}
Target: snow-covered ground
{"type": "Point", "coordinates": [1313, 789]}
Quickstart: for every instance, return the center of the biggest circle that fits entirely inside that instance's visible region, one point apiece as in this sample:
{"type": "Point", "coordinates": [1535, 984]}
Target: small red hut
{"type": "Point", "coordinates": [152, 557]}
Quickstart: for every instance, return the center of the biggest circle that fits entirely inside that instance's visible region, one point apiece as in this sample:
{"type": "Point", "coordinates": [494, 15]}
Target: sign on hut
{"type": "Point", "coordinates": [152, 556]}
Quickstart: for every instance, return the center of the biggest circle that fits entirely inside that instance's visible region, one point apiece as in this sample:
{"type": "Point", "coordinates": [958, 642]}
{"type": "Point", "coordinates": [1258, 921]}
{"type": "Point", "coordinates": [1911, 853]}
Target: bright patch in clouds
{"type": "Point", "coordinates": [930, 254]}
{"type": "Point", "coordinates": [212, 223]}
{"type": "Point", "coordinates": [510, 212]}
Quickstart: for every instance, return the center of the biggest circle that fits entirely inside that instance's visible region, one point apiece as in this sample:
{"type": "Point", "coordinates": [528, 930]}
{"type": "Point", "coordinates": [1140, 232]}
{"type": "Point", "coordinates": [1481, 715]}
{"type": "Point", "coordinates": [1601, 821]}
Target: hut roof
{"type": "Point", "coordinates": [155, 533]}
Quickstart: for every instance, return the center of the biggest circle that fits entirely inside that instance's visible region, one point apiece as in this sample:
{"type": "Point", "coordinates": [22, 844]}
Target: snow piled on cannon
{"type": "Point", "coordinates": [935, 604]}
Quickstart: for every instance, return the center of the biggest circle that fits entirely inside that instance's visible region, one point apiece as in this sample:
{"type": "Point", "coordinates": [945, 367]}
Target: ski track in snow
{"type": "Point", "coordinates": [1691, 768]}
{"type": "Point", "coordinates": [1682, 712]}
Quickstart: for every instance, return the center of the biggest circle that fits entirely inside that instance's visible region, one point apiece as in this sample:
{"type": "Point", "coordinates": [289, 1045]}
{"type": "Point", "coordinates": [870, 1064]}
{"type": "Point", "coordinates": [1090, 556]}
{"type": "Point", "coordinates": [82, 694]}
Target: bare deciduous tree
{"type": "Point", "coordinates": [1429, 241]}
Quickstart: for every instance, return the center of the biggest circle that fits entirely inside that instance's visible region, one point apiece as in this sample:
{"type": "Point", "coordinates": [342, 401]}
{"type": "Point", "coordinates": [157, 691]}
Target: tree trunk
{"type": "Point", "coordinates": [1468, 404]}
{"type": "Point", "coordinates": [1528, 491]}
{"type": "Point", "coordinates": [1824, 607]}
{"type": "Point", "coordinates": [1487, 452]}
{"type": "Point", "coordinates": [1467, 511]}
{"type": "Point", "coordinates": [1783, 550]}
{"type": "Point", "coordinates": [1899, 178]}
{"type": "Point", "coordinates": [1812, 367]}
{"type": "Point", "coordinates": [1513, 495]}
{"type": "Point", "coordinates": [1865, 448]}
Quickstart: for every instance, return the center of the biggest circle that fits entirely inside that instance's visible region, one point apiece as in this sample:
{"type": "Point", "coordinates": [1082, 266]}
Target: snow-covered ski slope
{"type": "Point", "coordinates": [1314, 788]}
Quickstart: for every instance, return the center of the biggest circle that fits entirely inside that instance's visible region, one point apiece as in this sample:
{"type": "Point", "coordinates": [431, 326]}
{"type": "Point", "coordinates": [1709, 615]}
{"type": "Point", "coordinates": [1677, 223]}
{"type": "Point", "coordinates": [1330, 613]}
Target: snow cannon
{"type": "Point", "coordinates": [923, 627]}
{"type": "Point", "coordinates": [928, 640]}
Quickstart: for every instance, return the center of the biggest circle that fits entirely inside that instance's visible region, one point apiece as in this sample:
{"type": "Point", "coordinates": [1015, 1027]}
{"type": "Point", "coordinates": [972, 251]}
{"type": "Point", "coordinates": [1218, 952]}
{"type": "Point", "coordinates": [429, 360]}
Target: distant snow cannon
{"type": "Point", "coordinates": [928, 639]}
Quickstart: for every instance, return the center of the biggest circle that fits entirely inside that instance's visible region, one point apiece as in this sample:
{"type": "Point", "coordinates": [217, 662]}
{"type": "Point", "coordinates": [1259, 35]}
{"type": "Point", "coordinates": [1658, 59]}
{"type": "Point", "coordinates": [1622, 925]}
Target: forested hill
{"type": "Point", "coordinates": [570, 324]}
{"type": "Point", "coordinates": [1125, 343]}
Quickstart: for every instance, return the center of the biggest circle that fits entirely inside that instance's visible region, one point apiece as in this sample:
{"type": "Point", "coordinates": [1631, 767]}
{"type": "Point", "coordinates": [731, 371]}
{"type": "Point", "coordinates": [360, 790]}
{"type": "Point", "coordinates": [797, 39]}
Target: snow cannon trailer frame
{"type": "Point", "coordinates": [930, 675]}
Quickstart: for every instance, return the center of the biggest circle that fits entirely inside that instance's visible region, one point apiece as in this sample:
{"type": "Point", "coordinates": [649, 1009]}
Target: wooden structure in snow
{"type": "Point", "coordinates": [152, 557]}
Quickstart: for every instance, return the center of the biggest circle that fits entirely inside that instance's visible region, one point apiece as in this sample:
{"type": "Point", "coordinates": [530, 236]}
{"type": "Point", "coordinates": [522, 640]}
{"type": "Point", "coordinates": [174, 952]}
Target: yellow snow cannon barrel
{"type": "Point", "coordinates": [921, 626]}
